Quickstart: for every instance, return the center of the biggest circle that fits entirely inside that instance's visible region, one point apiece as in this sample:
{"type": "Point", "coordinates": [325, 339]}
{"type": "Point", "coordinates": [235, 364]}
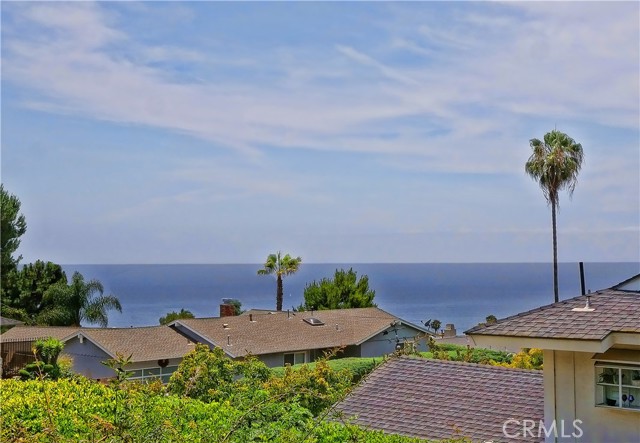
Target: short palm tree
{"type": "Point", "coordinates": [69, 305]}
{"type": "Point", "coordinates": [280, 266]}
{"type": "Point", "coordinates": [555, 164]}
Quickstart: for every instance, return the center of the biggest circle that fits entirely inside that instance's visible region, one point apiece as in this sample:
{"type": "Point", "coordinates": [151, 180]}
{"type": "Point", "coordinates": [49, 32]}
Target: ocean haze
{"type": "Point", "coordinates": [463, 294]}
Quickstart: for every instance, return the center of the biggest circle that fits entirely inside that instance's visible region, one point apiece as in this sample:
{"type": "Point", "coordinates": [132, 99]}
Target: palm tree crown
{"type": "Point", "coordinates": [280, 266]}
{"type": "Point", "coordinates": [71, 304]}
{"type": "Point", "coordinates": [555, 164]}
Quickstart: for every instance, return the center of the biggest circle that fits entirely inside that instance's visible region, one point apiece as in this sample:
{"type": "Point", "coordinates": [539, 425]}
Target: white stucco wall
{"type": "Point", "coordinates": [569, 384]}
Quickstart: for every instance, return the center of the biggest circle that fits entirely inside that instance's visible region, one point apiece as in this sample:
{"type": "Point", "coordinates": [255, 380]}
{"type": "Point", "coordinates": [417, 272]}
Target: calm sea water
{"type": "Point", "coordinates": [463, 294]}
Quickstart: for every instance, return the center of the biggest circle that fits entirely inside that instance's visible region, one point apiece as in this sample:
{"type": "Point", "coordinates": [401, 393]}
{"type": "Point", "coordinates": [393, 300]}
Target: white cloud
{"type": "Point", "coordinates": [427, 94]}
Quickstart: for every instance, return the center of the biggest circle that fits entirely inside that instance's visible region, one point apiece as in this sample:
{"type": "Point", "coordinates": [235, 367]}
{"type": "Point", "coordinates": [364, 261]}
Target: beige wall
{"type": "Point", "coordinates": [569, 385]}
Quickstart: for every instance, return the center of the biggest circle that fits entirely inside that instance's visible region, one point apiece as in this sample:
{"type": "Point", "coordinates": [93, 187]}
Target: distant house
{"type": "Point", "coordinates": [155, 351]}
{"type": "Point", "coordinates": [436, 399]}
{"type": "Point", "coordinates": [279, 338]}
{"type": "Point", "coordinates": [591, 349]}
{"type": "Point", "coordinates": [16, 345]}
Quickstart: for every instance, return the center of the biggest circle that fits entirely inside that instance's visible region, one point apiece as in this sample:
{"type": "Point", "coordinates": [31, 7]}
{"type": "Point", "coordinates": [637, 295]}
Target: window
{"type": "Point", "coordinates": [149, 374]}
{"type": "Point", "coordinates": [618, 386]}
{"type": "Point", "coordinates": [294, 359]}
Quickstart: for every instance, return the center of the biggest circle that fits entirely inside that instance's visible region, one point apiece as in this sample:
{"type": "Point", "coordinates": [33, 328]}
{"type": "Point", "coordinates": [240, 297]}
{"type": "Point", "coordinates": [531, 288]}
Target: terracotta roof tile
{"type": "Point", "coordinates": [433, 398]}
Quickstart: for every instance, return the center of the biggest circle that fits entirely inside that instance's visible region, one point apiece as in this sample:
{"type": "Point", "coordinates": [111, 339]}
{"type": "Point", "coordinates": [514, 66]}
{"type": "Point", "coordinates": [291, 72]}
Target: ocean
{"type": "Point", "coordinates": [462, 294]}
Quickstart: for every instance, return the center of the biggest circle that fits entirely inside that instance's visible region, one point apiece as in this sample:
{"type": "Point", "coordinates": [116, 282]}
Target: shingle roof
{"type": "Point", "coordinates": [431, 398]}
{"type": "Point", "coordinates": [27, 333]}
{"type": "Point", "coordinates": [273, 332]}
{"type": "Point", "coordinates": [143, 344]}
{"type": "Point", "coordinates": [613, 311]}
{"type": "Point", "coordinates": [4, 321]}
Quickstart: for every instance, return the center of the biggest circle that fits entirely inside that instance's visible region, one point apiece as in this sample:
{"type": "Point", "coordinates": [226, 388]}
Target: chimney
{"type": "Point", "coordinates": [227, 310]}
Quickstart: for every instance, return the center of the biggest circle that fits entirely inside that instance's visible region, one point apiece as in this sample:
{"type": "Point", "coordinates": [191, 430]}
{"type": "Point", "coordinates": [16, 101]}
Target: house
{"type": "Point", "coordinates": [437, 399]}
{"type": "Point", "coordinates": [591, 349]}
{"type": "Point", "coordinates": [286, 337]}
{"type": "Point", "coordinates": [16, 345]}
{"type": "Point", "coordinates": [155, 351]}
{"type": "Point", "coordinates": [276, 338]}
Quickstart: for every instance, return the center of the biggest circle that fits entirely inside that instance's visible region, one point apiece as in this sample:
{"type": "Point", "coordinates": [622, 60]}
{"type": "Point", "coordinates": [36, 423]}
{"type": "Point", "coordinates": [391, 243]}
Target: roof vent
{"type": "Point", "coordinates": [587, 307]}
{"type": "Point", "coordinates": [313, 321]}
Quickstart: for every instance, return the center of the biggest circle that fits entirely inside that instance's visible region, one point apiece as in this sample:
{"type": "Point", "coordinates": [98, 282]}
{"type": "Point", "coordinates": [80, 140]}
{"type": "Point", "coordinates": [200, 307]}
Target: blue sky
{"type": "Point", "coordinates": [208, 132]}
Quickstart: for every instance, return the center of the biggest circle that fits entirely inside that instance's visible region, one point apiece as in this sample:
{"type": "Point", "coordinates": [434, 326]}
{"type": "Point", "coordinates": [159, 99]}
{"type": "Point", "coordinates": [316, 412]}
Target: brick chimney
{"type": "Point", "coordinates": [227, 310]}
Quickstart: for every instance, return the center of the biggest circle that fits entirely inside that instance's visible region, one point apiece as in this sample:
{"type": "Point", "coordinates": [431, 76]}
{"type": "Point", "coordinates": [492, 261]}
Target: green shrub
{"type": "Point", "coordinates": [357, 366]}
{"type": "Point", "coordinates": [446, 351]}
{"type": "Point", "coordinates": [67, 411]}
{"type": "Point", "coordinates": [46, 365]}
{"type": "Point", "coordinates": [244, 403]}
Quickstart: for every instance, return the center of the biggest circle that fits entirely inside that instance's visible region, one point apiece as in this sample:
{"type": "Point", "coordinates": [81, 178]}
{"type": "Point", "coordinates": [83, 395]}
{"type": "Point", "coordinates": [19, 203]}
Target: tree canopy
{"type": "Point", "coordinates": [280, 266]}
{"type": "Point", "coordinates": [13, 225]}
{"type": "Point", "coordinates": [343, 291]}
{"type": "Point", "coordinates": [171, 316]}
{"type": "Point", "coordinates": [23, 297]}
{"type": "Point", "coordinates": [69, 305]}
{"type": "Point", "coordinates": [555, 164]}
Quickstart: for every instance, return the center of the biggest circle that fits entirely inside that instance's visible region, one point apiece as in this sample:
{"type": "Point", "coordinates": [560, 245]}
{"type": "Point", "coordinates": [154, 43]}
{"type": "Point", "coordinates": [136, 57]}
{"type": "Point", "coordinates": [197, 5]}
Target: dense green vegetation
{"type": "Point", "coordinates": [76, 302]}
{"type": "Point", "coordinates": [357, 367]}
{"type": "Point", "coordinates": [525, 359]}
{"type": "Point", "coordinates": [209, 399]}
{"type": "Point", "coordinates": [173, 315]}
{"type": "Point", "coordinates": [343, 291]}
{"type": "Point", "coordinates": [12, 226]}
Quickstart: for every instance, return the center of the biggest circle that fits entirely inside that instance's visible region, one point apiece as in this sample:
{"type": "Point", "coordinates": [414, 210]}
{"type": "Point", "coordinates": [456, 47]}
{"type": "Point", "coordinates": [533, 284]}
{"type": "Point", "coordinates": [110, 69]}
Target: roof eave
{"type": "Point", "coordinates": [507, 342]}
{"type": "Point", "coordinates": [92, 340]}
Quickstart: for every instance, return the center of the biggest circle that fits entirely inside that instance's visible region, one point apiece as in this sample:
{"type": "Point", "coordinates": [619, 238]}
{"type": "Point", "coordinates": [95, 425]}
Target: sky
{"type": "Point", "coordinates": [220, 132]}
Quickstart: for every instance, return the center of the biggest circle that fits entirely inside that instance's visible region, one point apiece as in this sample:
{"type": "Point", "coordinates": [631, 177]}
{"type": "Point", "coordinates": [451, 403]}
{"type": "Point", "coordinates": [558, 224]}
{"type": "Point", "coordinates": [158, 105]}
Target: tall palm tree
{"type": "Point", "coordinates": [555, 164]}
{"type": "Point", "coordinates": [280, 266]}
{"type": "Point", "coordinates": [69, 305]}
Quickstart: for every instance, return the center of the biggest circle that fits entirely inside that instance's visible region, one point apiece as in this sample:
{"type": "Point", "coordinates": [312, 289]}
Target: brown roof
{"type": "Point", "coordinates": [431, 398]}
{"type": "Point", "coordinates": [143, 344]}
{"type": "Point", "coordinates": [274, 332]}
{"type": "Point", "coordinates": [28, 333]}
{"type": "Point", "coordinates": [613, 311]}
{"type": "Point", "coordinates": [4, 321]}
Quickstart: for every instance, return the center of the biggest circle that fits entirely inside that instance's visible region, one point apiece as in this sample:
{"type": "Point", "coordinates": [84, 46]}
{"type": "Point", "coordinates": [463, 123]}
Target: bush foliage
{"type": "Point", "coordinates": [66, 411]}
{"type": "Point", "coordinates": [209, 399]}
{"type": "Point", "coordinates": [525, 359]}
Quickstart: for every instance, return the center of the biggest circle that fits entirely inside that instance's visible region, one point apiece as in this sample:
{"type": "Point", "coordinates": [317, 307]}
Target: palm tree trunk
{"type": "Point", "coordinates": [279, 294]}
{"type": "Point", "coordinates": [555, 251]}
